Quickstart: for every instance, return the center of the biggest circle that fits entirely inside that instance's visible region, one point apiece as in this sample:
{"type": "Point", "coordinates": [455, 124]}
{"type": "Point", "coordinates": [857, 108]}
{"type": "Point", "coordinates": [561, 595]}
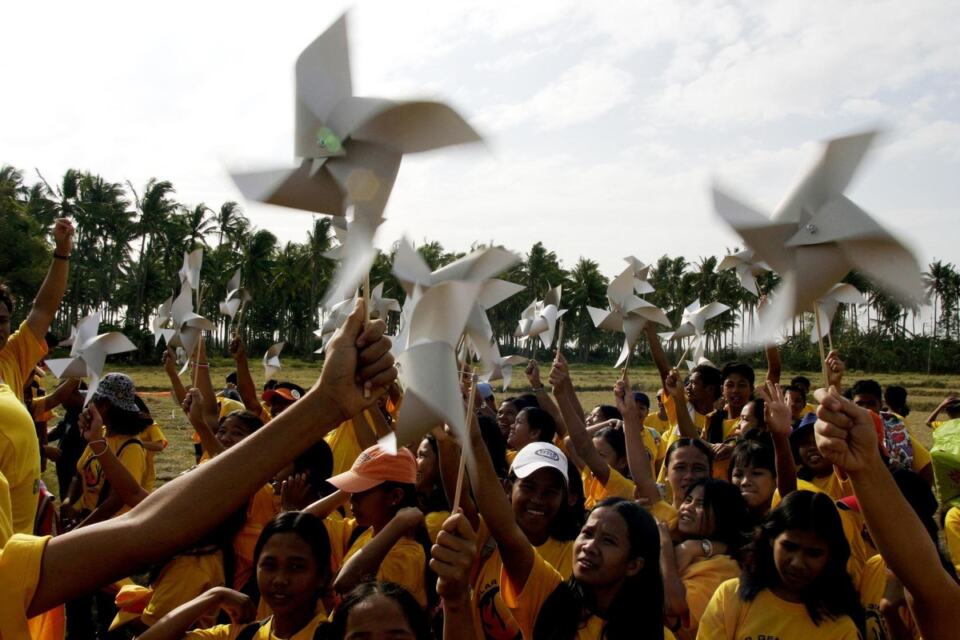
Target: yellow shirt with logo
{"type": "Point", "coordinates": [873, 584]}
{"type": "Point", "coordinates": [729, 617]}
{"type": "Point", "coordinates": [18, 358]}
{"type": "Point", "coordinates": [701, 580]}
{"type": "Point", "coordinates": [595, 491]}
{"type": "Point", "coordinates": [265, 632]}
{"type": "Point", "coordinates": [133, 457]}
{"type": "Point", "coordinates": [19, 459]}
{"type": "Point", "coordinates": [261, 509]}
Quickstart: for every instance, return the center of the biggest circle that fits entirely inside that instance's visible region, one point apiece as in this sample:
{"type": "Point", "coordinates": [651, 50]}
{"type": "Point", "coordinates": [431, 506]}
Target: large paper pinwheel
{"type": "Point", "coordinates": [503, 369]}
{"type": "Point", "coordinates": [818, 235]}
{"type": "Point", "coordinates": [747, 268]}
{"type": "Point", "coordinates": [355, 252]}
{"type": "Point", "coordinates": [841, 293]}
{"type": "Point", "coordinates": [641, 272]}
{"type": "Point", "coordinates": [479, 267]}
{"type": "Point", "coordinates": [539, 319]}
{"type": "Point", "coordinates": [161, 322]}
{"type": "Point", "coordinates": [627, 312]}
{"type": "Point", "coordinates": [189, 326]}
{"type": "Point", "coordinates": [428, 364]}
{"type": "Point", "coordinates": [271, 360]}
{"type": "Point", "coordinates": [332, 321]}
{"type": "Point", "coordinates": [190, 271]}
{"type": "Point", "coordinates": [89, 353]}
{"type": "Point", "coordinates": [350, 147]}
{"type": "Point", "coordinates": [693, 323]}
{"type": "Point", "coordinates": [236, 296]}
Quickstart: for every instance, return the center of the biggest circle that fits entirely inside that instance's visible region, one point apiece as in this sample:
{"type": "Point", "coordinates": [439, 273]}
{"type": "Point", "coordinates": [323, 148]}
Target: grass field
{"type": "Point", "coordinates": [594, 383]}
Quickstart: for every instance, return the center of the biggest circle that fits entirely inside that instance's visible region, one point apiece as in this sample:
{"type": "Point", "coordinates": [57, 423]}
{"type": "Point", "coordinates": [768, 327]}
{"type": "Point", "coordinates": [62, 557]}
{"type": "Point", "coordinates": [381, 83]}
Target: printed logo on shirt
{"type": "Point", "coordinates": [494, 624]}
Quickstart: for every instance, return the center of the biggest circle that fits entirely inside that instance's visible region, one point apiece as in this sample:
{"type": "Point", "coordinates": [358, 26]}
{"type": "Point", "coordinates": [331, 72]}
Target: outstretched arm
{"type": "Point", "coordinates": [245, 386]}
{"type": "Point", "coordinates": [777, 416]}
{"type": "Point", "coordinates": [366, 561]}
{"type": "Point", "coordinates": [940, 407]}
{"type": "Point", "coordinates": [175, 624]}
{"type": "Point", "coordinates": [674, 388]}
{"type": "Point", "coordinates": [55, 284]}
{"type": "Point", "coordinates": [170, 367]}
{"type": "Point", "coordinates": [641, 467]}
{"type": "Point", "coordinates": [171, 517]}
{"type": "Point", "coordinates": [204, 423]}
{"type": "Point", "coordinates": [582, 442]}
{"type": "Point", "coordinates": [656, 352]}
{"type": "Point", "coordinates": [50, 401]}
{"type": "Point", "coordinates": [543, 398]}
{"type": "Point", "coordinates": [452, 559]}
{"type": "Point", "coordinates": [773, 363]}
{"type": "Point", "coordinates": [846, 437]}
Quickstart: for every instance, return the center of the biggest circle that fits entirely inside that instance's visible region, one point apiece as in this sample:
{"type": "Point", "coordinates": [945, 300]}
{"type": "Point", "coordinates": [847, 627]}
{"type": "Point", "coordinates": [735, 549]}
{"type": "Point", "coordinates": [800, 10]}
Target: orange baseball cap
{"type": "Point", "coordinates": [375, 466]}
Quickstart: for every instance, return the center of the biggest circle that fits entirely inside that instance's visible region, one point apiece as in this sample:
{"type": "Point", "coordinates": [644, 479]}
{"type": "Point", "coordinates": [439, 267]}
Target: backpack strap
{"type": "Point", "coordinates": [105, 489]}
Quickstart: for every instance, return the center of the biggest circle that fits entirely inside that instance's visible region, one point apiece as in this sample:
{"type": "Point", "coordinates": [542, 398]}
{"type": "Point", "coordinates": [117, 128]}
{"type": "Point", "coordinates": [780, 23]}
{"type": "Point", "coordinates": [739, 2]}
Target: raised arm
{"type": "Point", "coordinates": [176, 385]}
{"type": "Point", "coordinates": [175, 624]}
{"type": "Point", "coordinates": [365, 562]}
{"type": "Point", "coordinates": [777, 416]}
{"type": "Point", "coordinates": [204, 383]}
{"type": "Point", "coordinates": [204, 423]}
{"type": "Point", "coordinates": [656, 352]}
{"type": "Point", "coordinates": [55, 284]}
{"type": "Point", "coordinates": [773, 363]}
{"type": "Point", "coordinates": [452, 558]}
{"type": "Point", "coordinates": [674, 388]}
{"type": "Point", "coordinates": [127, 489]}
{"type": "Point", "coordinates": [543, 398]}
{"type": "Point", "coordinates": [582, 442]}
{"type": "Point", "coordinates": [61, 393]}
{"type": "Point", "coordinates": [172, 517]}
{"type": "Point", "coordinates": [641, 467]}
{"type": "Point", "coordinates": [245, 386]}
{"type": "Point", "coordinates": [846, 436]}
{"type": "Point", "coordinates": [940, 407]}
{"type": "Point", "coordinates": [448, 453]}
{"type": "Point", "coordinates": [327, 505]}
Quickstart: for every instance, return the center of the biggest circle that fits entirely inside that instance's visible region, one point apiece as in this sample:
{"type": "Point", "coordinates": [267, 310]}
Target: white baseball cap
{"type": "Point", "coordinates": [538, 455]}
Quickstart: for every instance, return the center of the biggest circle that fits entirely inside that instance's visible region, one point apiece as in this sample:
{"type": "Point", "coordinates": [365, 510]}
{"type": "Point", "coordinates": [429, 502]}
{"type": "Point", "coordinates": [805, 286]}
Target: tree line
{"type": "Point", "coordinates": [130, 242]}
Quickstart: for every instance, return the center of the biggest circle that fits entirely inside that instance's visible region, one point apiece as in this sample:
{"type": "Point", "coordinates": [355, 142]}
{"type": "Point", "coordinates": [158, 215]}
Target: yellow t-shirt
{"type": "Point", "coordinates": [19, 459]}
{"type": "Point", "coordinates": [344, 445]}
{"type": "Point", "coordinates": [921, 455]}
{"type": "Point", "coordinates": [701, 580]}
{"type": "Point", "coordinates": [403, 565]}
{"type": "Point", "coordinates": [20, 561]}
{"type": "Point", "coordinates": [936, 424]}
{"type": "Point", "coordinates": [728, 617]}
{"type": "Point", "coordinates": [19, 357]}
{"type": "Point", "coordinates": [133, 457]}
{"type": "Point", "coordinates": [180, 581]}
{"type": "Point", "coordinates": [265, 632]}
{"type": "Point", "coordinates": [873, 583]}
{"type": "Point", "coordinates": [663, 511]}
{"type": "Point", "coordinates": [434, 523]}
{"type": "Point", "coordinates": [833, 486]}
{"type": "Point", "coordinates": [492, 618]}
{"type": "Point", "coordinates": [261, 509]}
{"type": "Point", "coordinates": [672, 434]}
{"type": "Point", "coordinates": [152, 434]}
{"type": "Point", "coordinates": [951, 531]}
{"type": "Point", "coordinates": [511, 454]}
{"type": "Point", "coordinates": [654, 422]}
{"type": "Point", "coordinates": [595, 491]}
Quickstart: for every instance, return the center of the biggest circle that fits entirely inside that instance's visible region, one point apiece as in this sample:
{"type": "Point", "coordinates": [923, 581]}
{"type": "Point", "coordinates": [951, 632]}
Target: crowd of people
{"type": "Point", "coordinates": [715, 506]}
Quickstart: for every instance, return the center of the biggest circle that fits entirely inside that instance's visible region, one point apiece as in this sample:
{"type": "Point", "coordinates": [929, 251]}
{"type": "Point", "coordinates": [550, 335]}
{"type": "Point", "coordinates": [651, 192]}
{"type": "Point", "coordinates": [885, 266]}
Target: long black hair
{"type": "Point", "coordinates": [832, 594]}
{"type": "Point", "coordinates": [696, 443]}
{"type": "Point", "coordinates": [542, 422]}
{"type": "Point", "coordinates": [731, 517]}
{"type": "Point", "coordinates": [308, 528]}
{"type": "Point", "coordinates": [637, 609]}
{"type": "Point", "coordinates": [416, 617]}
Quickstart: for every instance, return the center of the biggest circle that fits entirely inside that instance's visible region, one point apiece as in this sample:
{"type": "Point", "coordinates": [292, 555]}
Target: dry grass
{"type": "Point", "coordinates": [594, 383]}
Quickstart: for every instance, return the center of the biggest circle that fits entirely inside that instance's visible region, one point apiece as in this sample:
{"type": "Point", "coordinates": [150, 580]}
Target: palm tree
{"type": "Point", "coordinates": [199, 225]}
{"type": "Point", "coordinates": [935, 281]}
{"type": "Point", "coordinates": [230, 222]}
{"type": "Point", "coordinates": [542, 270]}
{"type": "Point", "coordinates": [155, 209]}
{"type": "Point", "coordinates": [587, 286]}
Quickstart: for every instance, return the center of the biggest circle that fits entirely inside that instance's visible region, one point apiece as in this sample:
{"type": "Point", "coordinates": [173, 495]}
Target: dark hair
{"type": "Point", "coordinates": [867, 388]}
{"type": "Point", "coordinates": [896, 398]}
{"type": "Point", "coordinates": [616, 439]}
{"type": "Point", "coordinates": [742, 368]}
{"type": "Point", "coordinates": [800, 381]}
{"type": "Point", "coordinates": [832, 595]}
{"type": "Point", "coordinates": [696, 443]}
{"type": "Point", "coordinates": [420, 535]}
{"type": "Point", "coordinates": [415, 615]}
{"type": "Point", "coordinates": [525, 400]}
{"type": "Point", "coordinates": [247, 418]}
{"type": "Point", "coordinates": [232, 377]}
{"type": "Point", "coordinates": [794, 388]}
{"type": "Point", "coordinates": [542, 422]}
{"type": "Point", "coordinates": [636, 610]}
{"type": "Point", "coordinates": [641, 398]}
{"type": "Point", "coordinates": [317, 463]}
{"type": "Point", "coordinates": [609, 412]}
{"type": "Point", "coordinates": [126, 423]}
{"type": "Point", "coordinates": [7, 298]}
{"type": "Point", "coordinates": [308, 528]}
{"type": "Point", "coordinates": [731, 516]}
{"type": "Point", "coordinates": [436, 500]}
{"type": "Point", "coordinates": [710, 376]}
{"type": "Point", "coordinates": [496, 444]}
{"type": "Point", "coordinates": [754, 453]}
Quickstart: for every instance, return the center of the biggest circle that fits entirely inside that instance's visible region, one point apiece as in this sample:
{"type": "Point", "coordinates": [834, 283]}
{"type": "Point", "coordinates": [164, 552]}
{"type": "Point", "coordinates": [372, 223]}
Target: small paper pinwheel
{"type": "Point", "coordinates": [540, 318]}
{"type": "Point", "coordinates": [236, 297]}
{"type": "Point", "coordinates": [89, 353]}
{"type": "Point", "coordinates": [503, 369]}
{"type": "Point", "coordinates": [271, 360]}
{"type": "Point", "coordinates": [189, 326]}
{"type": "Point", "coordinates": [747, 269]}
{"type": "Point", "coordinates": [161, 322]}
{"type": "Point", "coordinates": [627, 312]}
{"type": "Point", "coordinates": [334, 318]}
{"type": "Point", "coordinates": [841, 293]}
{"type": "Point", "coordinates": [818, 235]}
{"type": "Point", "coordinates": [190, 271]}
{"type": "Point", "coordinates": [641, 272]}
{"type": "Point", "coordinates": [692, 323]}
{"type": "Point", "coordinates": [381, 306]}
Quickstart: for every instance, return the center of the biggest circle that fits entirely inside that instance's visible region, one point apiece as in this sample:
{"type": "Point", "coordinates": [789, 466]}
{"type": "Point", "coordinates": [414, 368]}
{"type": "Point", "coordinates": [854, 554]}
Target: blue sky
{"type": "Point", "coordinates": [605, 122]}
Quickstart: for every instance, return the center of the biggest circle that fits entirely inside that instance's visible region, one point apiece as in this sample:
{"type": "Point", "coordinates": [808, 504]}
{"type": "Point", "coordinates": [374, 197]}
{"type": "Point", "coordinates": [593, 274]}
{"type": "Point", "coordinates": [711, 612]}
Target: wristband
{"type": "Point", "coordinates": [707, 547]}
{"type": "Point", "coordinates": [535, 389]}
{"type": "Point", "coordinates": [93, 451]}
{"type": "Point", "coordinates": [57, 256]}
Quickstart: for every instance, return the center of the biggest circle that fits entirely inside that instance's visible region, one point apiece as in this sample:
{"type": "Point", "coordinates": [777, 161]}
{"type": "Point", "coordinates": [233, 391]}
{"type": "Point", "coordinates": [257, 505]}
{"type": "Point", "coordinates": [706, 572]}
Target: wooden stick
{"type": "Point", "coordinates": [829, 342]}
{"type": "Point", "coordinates": [366, 313]}
{"type": "Point", "coordinates": [196, 359]}
{"type": "Point", "coordinates": [683, 356]}
{"type": "Point", "coordinates": [560, 337]}
{"type": "Point", "coordinates": [823, 356]}
{"type": "Point", "coordinates": [463, 458]}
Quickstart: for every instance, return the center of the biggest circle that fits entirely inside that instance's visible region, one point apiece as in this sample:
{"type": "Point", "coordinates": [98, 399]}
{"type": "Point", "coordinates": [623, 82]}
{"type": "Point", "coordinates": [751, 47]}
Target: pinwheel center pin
{"type": "Point", "coordinates": [812, 228]}
{"type": "Point", "coordinates": [328, 140]}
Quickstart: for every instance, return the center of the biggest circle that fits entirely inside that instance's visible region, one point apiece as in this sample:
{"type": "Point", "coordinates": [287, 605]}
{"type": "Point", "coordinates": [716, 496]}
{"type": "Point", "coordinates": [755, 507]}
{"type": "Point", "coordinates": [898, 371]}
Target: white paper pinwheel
{"type": "Point", "coordinates": [161, 322]}
{"type": "Point", "coordinates": [350, 147]}
{"type": "Point", "coordinates": [236, 296]}
{"type": "Point", "coordinates": [189, 326]}
{"type": "Point", "coordinates": [428, 365]}
{"type": "Point", "coordinates": [539, 319]}
{"type": "Point", "coordinates": [693, 323]}
{"type": "Point", "coordinates": [641, 272]}
{"type": "Point", "coordinates": [356, 253]}
{"type": "Point", "coordinates": [479, 267]}
{"type": "Point", "coordinates": [89, 353]}
{"type": "Point", "coordinates": [332, 321]}
{"type": "Point", "coordinates": [381, 306]}
{"type": "Point", "coordinates": [503, 369]}
{"type": "Point", "coordinates": [840, 293]}
{"type": "Point", "coordinates": [271, 360]}
{"type": "Point", "coordinates": [627, 312]}
{"type": "Point", "coordinates": [190, 271]}
{"type": "Point", "coordinates": [747, 268]}
{"type": "Point", "coordinates": [818, 235]}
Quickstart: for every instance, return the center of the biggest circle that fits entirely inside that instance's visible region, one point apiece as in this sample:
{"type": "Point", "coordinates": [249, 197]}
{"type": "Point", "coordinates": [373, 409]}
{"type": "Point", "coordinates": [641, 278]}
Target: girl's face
{"type": "Point", "coordinates": [426, 467]}
{"type": "Point", "coordinates": [695, 520]}
{"type": "Point", "coordinates": [506, 415]}
{"type": "Point", "coordinates": [378, 618]}
{"type": "Point", "coordinates": [748, 418]}
{"type": "Point", "coordinates": [594, 416]}
{"type": "Point", "coordinates": [374, 507]}
{"type": "Point", "coordinates": [231, 431]}
{"type": "Point", "coordinates": [756, 485]}
{"type": "Point", "coordinates": [536, 501]}
{"type": "Point", "coordinates": [601, 552]}
{"type": "Point", "coordinates": [520, 433]}
{"type": "Point", "coordinates": [800, 557]}
{"type": "Point", "coordinates": [288, 574]}
{"type": "Point", "coordinates": [810, 456]}
{"type": "Point", "coordinates": [687, 465]}
{"type": "Point", "coordinates": [609, 455]}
